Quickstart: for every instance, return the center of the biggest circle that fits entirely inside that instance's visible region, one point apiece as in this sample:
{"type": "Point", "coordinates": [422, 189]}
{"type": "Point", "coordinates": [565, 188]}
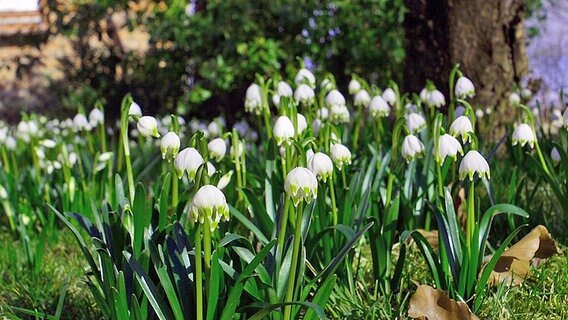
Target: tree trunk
{"type": "Point", "coordinates": [485, 37]}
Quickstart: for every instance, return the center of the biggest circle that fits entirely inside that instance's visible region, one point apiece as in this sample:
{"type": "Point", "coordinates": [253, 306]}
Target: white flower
{"type": "Point", "coordinates": [225, 180]}
{"type": "Point", "coordinates": [464, 88]}
{"type": "Point", "coordinates": [283, 130]}
{"type": "Point", "coordinates": [11, 143]}
{"type": "Point", "coordinates": [188, 160]}
{"type": "Point", "coordinates": [326, 84]}
{"type": "Point", "coordinates": [103, 157]}
{"type": "Point", "coordinates": [479, 113]}
{"type": "Point", "coordinates": [462, 127]}
{"type": "Point", "coordinates": [354, 86]}
{"type": "Point", "coordinates": [81, 123]}
{"type": "Point", "coordinates": [334, 98]}
{"type": "Point", "coordinates": [3, 193]}
{"type": "Point", "coordinates": [214, 129]}
{"type": "Point", "coordinates": [301, 185]}
{"type": "Point", "coordinates": [448, 146]}
{"type": "Point", "coordinates": [565, 117]}
{"type": "Point", "coordinates": [514, 99]}
{"type": "Point", "coordinates": [340, 155]}
{"type": "Point", "coordinates": [169, 145]}
{"type": "Point", "coordinates": [473, 163]}
{"type": "Point", "coordinates": [555, 155]}
{"type": "Point", "coordinates": [210, 169]}
{"type": "Point", "coordinates": [362, 98]}
{"type": "Point", "coordinates": [301, 123]}
{"type": "Point", "coordinates": [321, 165]}
{"type": "Point", "coordinates": [305, 76]}
{"type": "Point", "coordinates": [425, 95]}
{"type": "Point", "coordinates": [322, 113]}
{"type": "Point", "coordinates": [339, 114]}
{"type": "Point", "coordinates": [48, 143]}
{"type": "Point", "coordinates": [283, 89]}
{"type": "Point", "coordinates": [309, 154]}
{"type": "Point", "coordinates": [526, 93]}
{"type": "Point", "coordinates": [415, 122]}
{"type": "Point", "coordinates": [209, 203]}
{"type": "Point", "coordinates": [96, 117]}
{"type": "Point", "coordinates": [436, 99]}
{"type": "Point", "coordinates": [304, 95]}
{"type": "Point", "coordinates": [217, 148]}
{"type": "Point", "coordinates": [316, 126]}
{"type": "Point", "coordinates": [134, 110]}
{"type": "Point", "coordinates": [524, 134]}
{"type": "Point", "coordinates": [237, 149]}
{"type": "Point", "coordinates": [148, 126]}
{"type": "Point", "coordinates": [379, 107]}
{"type": "Point", "coordinates": [253, 99]}
{"type": "Point", "coordinates": [412, 147]}
{"type": "Point", "coordinates": [389, 96]}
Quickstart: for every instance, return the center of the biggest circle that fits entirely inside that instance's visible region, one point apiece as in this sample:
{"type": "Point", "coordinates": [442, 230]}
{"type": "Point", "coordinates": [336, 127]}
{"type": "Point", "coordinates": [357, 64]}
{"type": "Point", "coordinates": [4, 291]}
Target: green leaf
{"type": "Point", "coordinates": [215, 284]}
{"type": "Point", "coordinates": [268, 308]}
{"type": "Point", "coordinates": [248, 224]}
{"type": "Point", "coordinates": [321, 297]}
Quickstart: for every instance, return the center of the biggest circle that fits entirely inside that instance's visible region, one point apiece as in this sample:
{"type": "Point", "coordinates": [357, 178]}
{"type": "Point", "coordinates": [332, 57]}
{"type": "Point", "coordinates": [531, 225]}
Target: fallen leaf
{"type": "Point", "coordinates": [514, 265]}
{"type": "Point", "coordinates": [431, 237]}
{"type": "Point", "coordinates": [434, 304]}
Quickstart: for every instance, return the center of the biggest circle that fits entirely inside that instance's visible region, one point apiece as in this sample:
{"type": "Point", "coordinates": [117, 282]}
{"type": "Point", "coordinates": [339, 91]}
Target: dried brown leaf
{"type": "Point", "coordinates": [431, 237]}
{"type": "Point", "coordinates": [434, 304]}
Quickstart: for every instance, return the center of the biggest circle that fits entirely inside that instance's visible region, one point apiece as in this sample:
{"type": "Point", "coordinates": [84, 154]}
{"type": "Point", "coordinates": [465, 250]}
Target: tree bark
{"type": "Point", "coordinates": [485, 37]}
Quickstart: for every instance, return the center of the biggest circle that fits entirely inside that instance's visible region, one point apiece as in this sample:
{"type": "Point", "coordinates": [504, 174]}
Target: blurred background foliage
{"type": "Point", "coordinates": [201, 56]}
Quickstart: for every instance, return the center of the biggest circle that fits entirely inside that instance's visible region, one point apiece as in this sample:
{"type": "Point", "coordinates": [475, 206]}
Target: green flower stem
{"type": "Point", "coordinates": [333, 201]}
{"type": "Point", "coordinates": [198, 274]}
{"type": "Point", "coordinates": [124, 139]}
{"type": "Point", "coordinates": [207, 245]}
{"type": "Point", "coordinates": [440, 180]}
{"type": "Point", "coordinates": [295, 256]}
{"type": "Point", "coordinates": [389, 189]}
{"type": "Point", "coordinates": [470, 215]}
{"type": "Point", "coordinates": [102, 135]}
{"type": "Point", "coordinates": [541, 158]}
{"type": "Point", "coordinates": [175, 188]}
{"type": "Point", "coordinates": [283, 224]}
{"type": "Point", "coordinates": [5, 159]}
{"type": "Point", "coordinates": [344, 178]}
{"type": "Point", "coordinates": [358, 126]}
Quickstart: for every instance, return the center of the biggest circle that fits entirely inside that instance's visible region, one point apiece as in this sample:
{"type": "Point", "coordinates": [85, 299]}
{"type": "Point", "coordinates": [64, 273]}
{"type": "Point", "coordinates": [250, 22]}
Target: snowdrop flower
{"type": "Point", "coordinates": [309, 154]}
{"type": "Point", "coordinates": [334, 98]}
{"type": "Point", "coordinates": [148, 127]}
{"type": "Point", "coordinates": [217, 149]}
{"type": "Point", "coordinates": [339, 114]}
{"type": "Point", "coordinates": [436, 99]}
{"type": "Point", "coordinates": [253, 99]}
{"type": "Point", "coordinates": [11, 143]}
{"type": "Point", "coordinates": [225, 180]}
{"type": "Point", "coordinates": [103, 157]}
{"type": "Point", "coordinates": [425, 95]}
{"type": "Point", "coordinates": [379, 107]}
{"type": "Point", "coordinates": [188, 160]}
{"type": "Point", "coordinates": [462, 127]}
{"type": "Point", "coordinates": [526, 93]}
{"type": "Point", "coordinates": [340, 155]}
{"type": "Point", "coordinates": [362, 98]}
{"type": "Point", "coordinates": [209, 203]}
{"type": "Point", "coordinates": [81, 123]}
{"type": "Point", "coordinates": [479, 113]}
{"type": "Point", "coordinates": [565, 117]}
{"type": "Point", "coordinates": [305, 76]}
{"type": "Point", "coordinates": [214, 129]}
{"type": "Point", "coordinates": [301, 123]}
{"type": "Point", "coordinates": [283, 89]}
{"type": "Point", "coordinates": [283, 130]}
{"type": "Point", "coordinates": [304, 95]}
{"type": "Point", "coordinates": [415, 122]}
{"type": "Point", "coordinates": [322, 113]}
{"type": "Point", "coordinates": [72, 159]}
{"type": "Point", "coordinates": [321, 165]}
{"type": "Point", "coordinates": [524, 134]}
{"type": "Point", "coordinates": [96, 117]}
{"type": "Point", "coordinates": [301, 185]}
{"type": "Point", "coordinates": [354, 86]}
{"type": "Point", "coordinates": [326, 84]}
{"type": "Point", "coordinates": [48, 143]}
{"type": "Point", "coordinates": [555, 155]}
{"type": "Point", "coordinates": [316, 126]}
{"type": "Point", "coordinates": [3, 134]}
{"type": "Point", "coordinates": [514, 99]}
{"type": "Point", "coordinates": [169, 145]}
{"type": "Point", "coordinates": [389, 96]}
{"type": "Point", "coordinates": [134, 110]}
{"type": "Point", "coordinates": [464, 88]}
{"type": "Point", "coordinates": [448, 146]}
{"type": "Point", "coordinates": [472, 163]}
{"type": "Point", "coordinates": [412, 147]}
{"type": "Point", "coordinates": [3, 193]}
{"type": "Point", "coordinates": [211, 169]}
{"type": "Point", "coordinates": [237, 149]}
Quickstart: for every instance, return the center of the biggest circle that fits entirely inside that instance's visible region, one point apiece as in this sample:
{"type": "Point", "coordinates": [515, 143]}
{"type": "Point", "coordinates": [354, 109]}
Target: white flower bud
{"type": "Point", "coordinates": [253, 99]}
{"type": "Point", "coordinates": [169, 145]}
{"type": "Point", "coordinates": [379, 107]}
{"type": "Point", "coordinates": [134, 110]}
{"type": "Point", "coordinates": [448, 146]}
{"type": "Point", "coordinates": [283, 89]}
{"type": "Point", "coordinates": [217, 148]}
{"type": "Point", "coordinates": [188, 160]}
{"type": "Point", "coordinates": [526, 93]}
{"type": "Point", "coordinates": [514, 99]}
{"type": "Point", "coordinates": [148, 126]}
{"type": "Point", "coordinates": [354, 86]}
{"type": "Point", "coordinates": [301, 123]}
{"type": "Point", "coordinates": [462, 127]}
{"type": "Point", "coordinates": [425, 95]}
{"type": "Point", "coordinates": [472, 163]}
{"type": "Point", "coordinates": [237, 149]}
{"type": "Point", "coordinates": [316, 126]}
{"type": "Point", "coordinates": [479, 113]}
{"type": "Point", "coordinates": [301, 185]}
{"type": "Point", "coordinates": [225, 180]}
{"type": "Point", "coordinates": [555, 155]}
{"type": "Point", "coordinates": [321, 165]}
{"type": "Point", "coordinates": [389, 96]}
{"type": "Point", "coordinates": [464, 88]}
{"type": "Point", "coordinates": [412, 147]}
{"type": "Point", "coordinates": [96, 117]}
{"type": "Point", "coordinates": [209, 203]}
{"type": "Point", "coordinates": [103, 157]}
{"type": "Point", "coordinates": [415, 122]}
{"type": "Point", "coordinates": [362, 98]}
{"type": "Point", "coordinates": [305, 76]}
{"type": "Point", "coordinates": [309, 154]}
{"type": "Point", "coordinates": [524, 134]}
{"type": "Point", "coordinates": [48, 143]}
{"type": "Point", "coordinates": [304, 95]}
{"type": "Point", "coordinates": [340, 155]}
{"type": "Point", "coordinates": [283, 130]}
{"type": "Point", "coordinates": [334, 98]}
{"type": "Point", "coordinates": [213, 129]}
{"type": "Point", "coordinates": [3, 193]}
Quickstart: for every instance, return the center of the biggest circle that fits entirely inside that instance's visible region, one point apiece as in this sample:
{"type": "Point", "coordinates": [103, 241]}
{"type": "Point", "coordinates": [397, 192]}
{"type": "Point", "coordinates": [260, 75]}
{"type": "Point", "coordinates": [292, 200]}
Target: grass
{"type": "Point", "coordinates": [60, 268]}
